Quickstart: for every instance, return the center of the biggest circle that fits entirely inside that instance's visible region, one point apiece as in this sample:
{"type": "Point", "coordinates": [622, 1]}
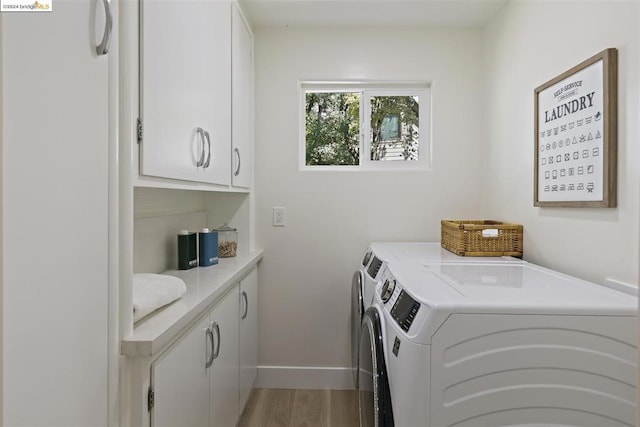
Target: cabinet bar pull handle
{"type": "Point", "coordinates": [206, 163]}
{"type": "Point", "coordinates": [215, 326]}
{"type": "Point", "coordinates": [237, 172]}
{"type": "Point", "coordinates": [209, 339]}
{"type": "Point", "coordinates": [103, 47]}
{"type": "Point", "coordinates": [200, 134]}
{"type": "Point", "coordinates": [246, 304]}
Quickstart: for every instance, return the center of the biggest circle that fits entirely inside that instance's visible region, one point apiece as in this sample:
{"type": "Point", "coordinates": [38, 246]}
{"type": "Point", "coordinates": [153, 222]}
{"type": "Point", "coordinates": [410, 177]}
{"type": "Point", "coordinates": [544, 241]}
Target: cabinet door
{"type": "Point", "coordinates": [185, 84]}
{"type": "Point", "coordinates": [248, 334]}
{"type": "Point", "coordinates": [224, 374]}
{"type": "Point", "coordinates": [242, 102]}
{"type": "Point", "coordinates": [55, 158]}
{"type": "Point", "coordinates": [181, 383]}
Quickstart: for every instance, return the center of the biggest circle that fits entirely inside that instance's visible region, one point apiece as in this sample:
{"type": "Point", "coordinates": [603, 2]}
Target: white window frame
{"type": "Point", "coordinates": [367, 90]}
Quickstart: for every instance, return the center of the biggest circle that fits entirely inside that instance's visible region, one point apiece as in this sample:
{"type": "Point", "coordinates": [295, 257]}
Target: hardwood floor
{"type": "Point", "coordinates": [301, 408]}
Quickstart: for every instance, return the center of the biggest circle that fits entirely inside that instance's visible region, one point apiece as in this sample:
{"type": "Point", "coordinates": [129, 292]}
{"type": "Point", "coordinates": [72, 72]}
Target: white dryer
{"type": "Point", "coordinates": [367, 277]}
{"type": "Point", "coordinates": [481, 344]}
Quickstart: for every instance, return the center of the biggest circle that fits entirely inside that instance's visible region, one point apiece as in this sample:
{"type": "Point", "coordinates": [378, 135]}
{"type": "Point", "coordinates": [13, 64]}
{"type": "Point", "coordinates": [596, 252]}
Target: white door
{"type": "Point", "coordinates": [185, 75]}
{"type": "Point", "coordinates": [248, 334]}
{"type": "Point", "coordinates": [224, 374]}
{"type": "Point", "coordinates": [54, 216]}
{"type": "Point", "coordinates": [181, 382]}
{"type": "Point", "coordinates": [242, 90]}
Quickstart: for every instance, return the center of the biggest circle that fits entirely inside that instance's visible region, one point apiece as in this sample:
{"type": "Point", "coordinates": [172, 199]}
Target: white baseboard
{"type": "Point", "coordinates": [304, 377]}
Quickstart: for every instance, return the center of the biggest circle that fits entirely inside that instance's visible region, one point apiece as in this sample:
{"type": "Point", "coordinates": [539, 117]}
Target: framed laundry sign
{"type": "Point", "coordinates": [575, 124]}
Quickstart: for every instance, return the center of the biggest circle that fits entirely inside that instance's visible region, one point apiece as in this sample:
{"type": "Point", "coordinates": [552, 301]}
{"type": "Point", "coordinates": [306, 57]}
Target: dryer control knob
{"type": "Point", "coordinates": [366, 258]}
{"type": "Point", "coordinates": [387, 290]}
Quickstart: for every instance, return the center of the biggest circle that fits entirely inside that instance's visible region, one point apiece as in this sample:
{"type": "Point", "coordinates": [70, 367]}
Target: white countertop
{"type": "Point", "coordinates": [205, 285]}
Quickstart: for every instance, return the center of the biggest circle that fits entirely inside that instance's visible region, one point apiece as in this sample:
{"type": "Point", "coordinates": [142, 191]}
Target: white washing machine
{"type": "Point", "coordinates": [365, 279]}
{"type": "Point", "coordinates": [481, 344]}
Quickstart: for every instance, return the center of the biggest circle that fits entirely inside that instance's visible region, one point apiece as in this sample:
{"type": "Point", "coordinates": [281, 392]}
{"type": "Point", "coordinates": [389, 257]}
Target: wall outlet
{"type": "Point", "coordinates": [279, 217]}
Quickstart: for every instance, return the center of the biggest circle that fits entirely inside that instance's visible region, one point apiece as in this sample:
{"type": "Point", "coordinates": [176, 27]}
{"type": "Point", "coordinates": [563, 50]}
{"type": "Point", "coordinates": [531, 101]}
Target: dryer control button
{"type": "Point", "coordinates": [366, 258]}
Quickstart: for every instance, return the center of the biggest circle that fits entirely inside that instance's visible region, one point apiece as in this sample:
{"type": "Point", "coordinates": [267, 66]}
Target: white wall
{"type": "Point", "coordinates": [331, 216]}
{"type": "Point", "coordinates": [527, 44]}
{"type": "Point", "coordinates": [159, 214]}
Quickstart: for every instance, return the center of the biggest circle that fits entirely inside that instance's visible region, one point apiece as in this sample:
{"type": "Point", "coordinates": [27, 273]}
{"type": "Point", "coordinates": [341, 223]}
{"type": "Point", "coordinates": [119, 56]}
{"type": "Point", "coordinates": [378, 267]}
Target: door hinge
{"type": "Point", "coordinates": [139, 129]}
{"type": "Point", "coordinates": [150, 399]}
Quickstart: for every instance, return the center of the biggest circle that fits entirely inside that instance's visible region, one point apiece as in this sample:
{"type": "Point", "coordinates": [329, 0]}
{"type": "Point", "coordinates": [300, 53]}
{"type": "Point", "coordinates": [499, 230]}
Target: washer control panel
{"type": "Point", "coordinates": [404, 310]}
{"type": "Point", "coordinates": [398, 304]}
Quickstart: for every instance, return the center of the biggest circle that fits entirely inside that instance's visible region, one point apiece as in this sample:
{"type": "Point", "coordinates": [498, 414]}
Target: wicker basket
{"type": "Point", "coordinates": [481, 238]}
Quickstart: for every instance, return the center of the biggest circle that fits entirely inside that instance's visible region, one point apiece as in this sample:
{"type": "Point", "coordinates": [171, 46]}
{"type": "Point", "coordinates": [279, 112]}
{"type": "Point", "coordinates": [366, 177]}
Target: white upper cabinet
{"type": "Point", "coordinates": [242, 106]}
{"type": "Point", "coordinates": [185, 90]}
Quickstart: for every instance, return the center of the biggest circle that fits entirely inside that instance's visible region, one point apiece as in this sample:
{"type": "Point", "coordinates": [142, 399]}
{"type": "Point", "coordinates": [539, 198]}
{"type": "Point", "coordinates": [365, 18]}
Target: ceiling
{"type": "Point", "coordinates": [281, 13]}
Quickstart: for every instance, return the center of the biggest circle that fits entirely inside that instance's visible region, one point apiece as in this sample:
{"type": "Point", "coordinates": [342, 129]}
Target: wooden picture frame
{"type": "Point", "coordinates": [576, 132]}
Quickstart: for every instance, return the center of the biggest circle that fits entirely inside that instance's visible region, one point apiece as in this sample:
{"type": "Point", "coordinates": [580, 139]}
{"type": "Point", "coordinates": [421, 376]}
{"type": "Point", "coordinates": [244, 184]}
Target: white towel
{"type": "Point", "coordinates": [152, 291]}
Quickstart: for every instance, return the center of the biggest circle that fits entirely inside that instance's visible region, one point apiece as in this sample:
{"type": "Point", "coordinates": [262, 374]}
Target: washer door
{"type": "Point", "coordinates": [357, 310]}
{"type": "Point", "coordinates": [374, 397]}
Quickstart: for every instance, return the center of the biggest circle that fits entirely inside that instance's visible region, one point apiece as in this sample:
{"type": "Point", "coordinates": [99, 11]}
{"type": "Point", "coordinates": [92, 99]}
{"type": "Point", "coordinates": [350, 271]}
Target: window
{"type": "Point", "coordinates": [364, 127]}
